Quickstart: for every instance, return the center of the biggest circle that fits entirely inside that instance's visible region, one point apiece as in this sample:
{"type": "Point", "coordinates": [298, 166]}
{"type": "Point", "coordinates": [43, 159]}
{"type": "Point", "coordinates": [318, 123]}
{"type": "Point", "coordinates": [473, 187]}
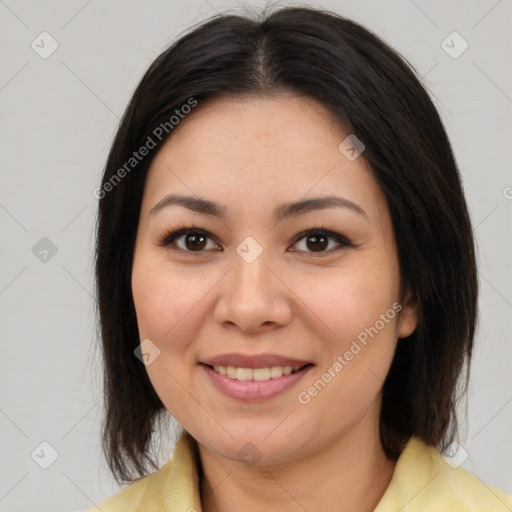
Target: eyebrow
{"type": "Point", "coordinates": [286, 210]}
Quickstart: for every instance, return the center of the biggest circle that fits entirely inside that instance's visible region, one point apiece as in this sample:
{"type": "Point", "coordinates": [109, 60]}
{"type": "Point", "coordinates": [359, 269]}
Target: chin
{"type": "Point", "coordinates": [256, 445]}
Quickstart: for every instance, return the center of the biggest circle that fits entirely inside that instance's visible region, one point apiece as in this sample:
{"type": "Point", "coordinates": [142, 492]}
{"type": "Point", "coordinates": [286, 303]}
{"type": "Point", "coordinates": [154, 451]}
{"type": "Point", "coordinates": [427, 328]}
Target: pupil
{"type": "Point", "coordinates": [195, 240]}
{"type": "Point", "coordinates": [320, 240]}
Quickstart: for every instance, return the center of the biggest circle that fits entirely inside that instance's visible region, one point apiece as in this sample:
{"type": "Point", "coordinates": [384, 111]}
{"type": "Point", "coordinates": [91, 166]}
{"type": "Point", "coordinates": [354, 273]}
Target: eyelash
{"type": "Point", "coordinates": [171, 235]}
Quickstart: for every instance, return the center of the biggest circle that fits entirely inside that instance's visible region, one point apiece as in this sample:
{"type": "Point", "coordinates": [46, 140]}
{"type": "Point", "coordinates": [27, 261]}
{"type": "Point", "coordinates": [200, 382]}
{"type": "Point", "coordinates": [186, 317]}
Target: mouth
{"type": "Point", "coordinates": [256, 374]}
{"type": "Point", "coordinates": [254, 378]}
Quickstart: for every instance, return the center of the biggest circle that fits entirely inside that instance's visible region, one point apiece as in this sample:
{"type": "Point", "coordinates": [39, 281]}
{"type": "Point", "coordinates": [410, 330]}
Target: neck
{"type": "Point", "coordinates": [351, 474]}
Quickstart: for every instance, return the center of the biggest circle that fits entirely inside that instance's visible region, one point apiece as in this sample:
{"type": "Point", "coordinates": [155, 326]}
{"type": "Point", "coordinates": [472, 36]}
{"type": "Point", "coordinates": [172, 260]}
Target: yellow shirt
{"type": "Point", "coordinates": [422, 482]}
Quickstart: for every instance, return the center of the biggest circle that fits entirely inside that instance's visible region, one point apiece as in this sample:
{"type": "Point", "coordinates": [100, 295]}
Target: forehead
{"type": "Point", "coordinates": [259, 151]}
{"type": "Point", "coordinates": [241, 127]}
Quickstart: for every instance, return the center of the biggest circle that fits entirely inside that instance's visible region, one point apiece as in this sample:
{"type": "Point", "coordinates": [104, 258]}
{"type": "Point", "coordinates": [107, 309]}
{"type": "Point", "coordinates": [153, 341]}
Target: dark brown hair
{"type": "Point", "coordinates": [377, 95]}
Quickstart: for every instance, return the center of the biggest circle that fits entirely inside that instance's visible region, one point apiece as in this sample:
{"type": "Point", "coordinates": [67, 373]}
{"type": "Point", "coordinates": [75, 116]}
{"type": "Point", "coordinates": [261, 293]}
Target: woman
{"type": "Point", "coordinates": [285, 265]}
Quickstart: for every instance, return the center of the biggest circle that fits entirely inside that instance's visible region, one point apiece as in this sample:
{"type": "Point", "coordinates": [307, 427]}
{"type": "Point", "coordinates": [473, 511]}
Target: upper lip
{"type": "Point", "coordinates": [253, 361]}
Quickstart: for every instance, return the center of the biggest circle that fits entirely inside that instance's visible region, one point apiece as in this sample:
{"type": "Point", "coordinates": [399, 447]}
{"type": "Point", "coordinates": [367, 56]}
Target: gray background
{"type": "Point", "coordinates": [58, 116]}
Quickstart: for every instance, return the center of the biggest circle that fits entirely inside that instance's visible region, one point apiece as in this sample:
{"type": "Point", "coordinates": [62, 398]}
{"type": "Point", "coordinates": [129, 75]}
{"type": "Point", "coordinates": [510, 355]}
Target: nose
{"type": "Point", "coordinates": [253, 297]}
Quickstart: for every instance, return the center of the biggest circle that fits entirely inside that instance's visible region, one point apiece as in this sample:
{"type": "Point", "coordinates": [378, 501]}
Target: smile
{"type": "Point", "coordinates": [259, 374]}
{"type": "Point", "coordinates": [255, 384]}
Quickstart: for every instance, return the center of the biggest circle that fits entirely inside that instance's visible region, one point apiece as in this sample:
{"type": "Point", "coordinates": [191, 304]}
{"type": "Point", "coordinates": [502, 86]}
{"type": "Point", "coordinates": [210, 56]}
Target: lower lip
{"type": "Point", "coordinates": [253, 390]}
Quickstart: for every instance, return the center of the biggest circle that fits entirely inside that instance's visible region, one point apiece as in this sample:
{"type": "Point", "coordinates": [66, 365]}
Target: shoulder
{"type": "Point", "coordinates": [174, 485]}
{"type": "Point", "coordinates": [424, 481]}
{"type": "Point", "coordinates": [138, 495]}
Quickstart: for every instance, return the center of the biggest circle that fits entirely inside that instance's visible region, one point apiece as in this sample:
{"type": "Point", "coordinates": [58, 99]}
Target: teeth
{"type": "Point", "coordinates": [276, 371]}
{"type": "Point", "coordinates": [259, 374]}
{"type": "Point", "coordinates": [244, 373]}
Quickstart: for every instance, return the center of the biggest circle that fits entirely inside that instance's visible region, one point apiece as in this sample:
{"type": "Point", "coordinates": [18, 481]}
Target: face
{"type": "Point", "coordinates": [254, 290]}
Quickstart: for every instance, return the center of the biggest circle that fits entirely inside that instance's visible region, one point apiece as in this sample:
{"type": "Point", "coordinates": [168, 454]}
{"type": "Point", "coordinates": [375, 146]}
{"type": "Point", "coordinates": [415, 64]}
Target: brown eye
{"type": "Point", "coordinates": [319, 240]}
{"type": "Point", "coordinates": [195, 241]}
{"type": "Point", "coordinates": [188, 240]}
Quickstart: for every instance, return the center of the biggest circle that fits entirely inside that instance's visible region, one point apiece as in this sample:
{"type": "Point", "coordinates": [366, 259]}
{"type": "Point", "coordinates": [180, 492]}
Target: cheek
{"type": "Point", "coordinates": [164, 299]}
{"type": "Point", "coordinates": [350, 301]}
{"type": "Point", "coordinates": [359, 316]}
{"type": "Point", "coordinates": [167, 304]}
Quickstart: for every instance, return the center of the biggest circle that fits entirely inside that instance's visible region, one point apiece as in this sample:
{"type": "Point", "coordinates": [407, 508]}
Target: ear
{"type": "Point", "coordinates": [408, 320]}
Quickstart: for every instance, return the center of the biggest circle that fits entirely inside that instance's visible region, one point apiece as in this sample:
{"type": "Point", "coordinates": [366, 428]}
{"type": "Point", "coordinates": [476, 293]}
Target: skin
{"type": "Point", "coordinates": [251, 155]}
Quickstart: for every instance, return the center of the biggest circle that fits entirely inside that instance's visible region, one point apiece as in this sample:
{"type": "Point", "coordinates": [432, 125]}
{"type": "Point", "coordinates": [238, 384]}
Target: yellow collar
{"type": "Point", "coordinates": [423, 481]}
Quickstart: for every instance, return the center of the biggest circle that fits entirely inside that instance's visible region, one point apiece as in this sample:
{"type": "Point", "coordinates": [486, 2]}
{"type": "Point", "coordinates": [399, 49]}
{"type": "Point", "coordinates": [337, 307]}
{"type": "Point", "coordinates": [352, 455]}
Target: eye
{"type": "Point", "coordinates": [193, 239]}
{"type": "Point", "coordinates": [317, 240]}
